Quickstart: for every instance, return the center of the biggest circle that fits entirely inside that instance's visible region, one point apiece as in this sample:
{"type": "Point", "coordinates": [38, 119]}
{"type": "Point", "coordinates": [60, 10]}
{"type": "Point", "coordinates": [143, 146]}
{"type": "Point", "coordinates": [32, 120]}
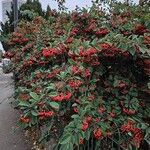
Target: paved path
{"type": "Point", "coordinates": [11, 137]}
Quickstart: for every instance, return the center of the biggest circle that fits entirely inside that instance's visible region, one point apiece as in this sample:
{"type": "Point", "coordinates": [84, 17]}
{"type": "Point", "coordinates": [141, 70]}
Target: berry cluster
{"type": "Point", "coordinates": [62, 97]}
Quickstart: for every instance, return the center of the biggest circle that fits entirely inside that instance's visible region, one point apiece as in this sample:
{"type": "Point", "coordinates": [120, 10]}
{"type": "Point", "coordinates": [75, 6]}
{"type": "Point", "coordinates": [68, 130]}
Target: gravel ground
{"type": "Point", "coordinates": [11, 137]}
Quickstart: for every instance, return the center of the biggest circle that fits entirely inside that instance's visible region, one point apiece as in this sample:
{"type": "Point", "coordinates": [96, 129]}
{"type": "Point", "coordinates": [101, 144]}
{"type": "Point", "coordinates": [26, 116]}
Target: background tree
{"type": "Point", "coordinates": [27, 11]}
{"type": "Point", "coordinates": [47, 12]}
{"type": "Point", "coordinates": [142, 2]}
{"type": "Point", "coordinates": [34, 6]}
{"type": "Point", "coordinates": [7, 27]}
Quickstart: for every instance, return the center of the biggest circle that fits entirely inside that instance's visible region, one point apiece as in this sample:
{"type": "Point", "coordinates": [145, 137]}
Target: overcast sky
{"type": "Point", "coordinates": [71, 4]}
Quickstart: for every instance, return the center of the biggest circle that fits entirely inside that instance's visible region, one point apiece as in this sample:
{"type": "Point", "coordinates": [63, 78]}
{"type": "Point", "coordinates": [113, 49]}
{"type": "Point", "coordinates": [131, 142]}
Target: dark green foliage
{"type": "Point", "coordinates": [26, 12]}
{"type": "Point", "coordinates": [7, 28]}
{"type": "Point", "coordinates": [33, 5]}
{"type": "Point", "coordinates": [47, 12]}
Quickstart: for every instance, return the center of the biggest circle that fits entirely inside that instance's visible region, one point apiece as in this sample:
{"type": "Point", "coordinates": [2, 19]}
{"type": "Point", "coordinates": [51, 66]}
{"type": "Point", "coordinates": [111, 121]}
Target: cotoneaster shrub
{"type": "Point", "coordinates": [84, 76]}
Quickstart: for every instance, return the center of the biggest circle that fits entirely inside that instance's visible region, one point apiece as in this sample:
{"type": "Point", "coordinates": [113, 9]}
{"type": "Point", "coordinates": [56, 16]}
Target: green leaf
{"type": "Point", "coordinates": [86, 44]}
{"type": "Point", "coordinates": [148, 85]}
{"type": "Point", "coordinates": [64, 147]}
{"type": "Point", "coordinates": [34, 95]}
{"type": "Point", "coordinates": [24, 103]}
{"type": "Point", "coordinates": [51, 87]}
{"type": "Point", "coordinates": [142, 126]}
{"type": "Point", "coordinates": [135, 38]}
{"type": "Point", "coordinates": [74, 116]}
{"type": "Point", "coordinates": [65, 139]}
{"type": "Point", "coordinates": [115, 84]}
{"type": "Point", "coordinates": [132, 50]}
{"type": "Point", "coordinates": [87, 134]}
{"type": "Point", "coordinates": [70, 146]}
{"type": "Point", "coordinates": [123, 46]}
{"type": "Point", "coordinates": [129, 133]}
{"type": "Point", "coordinates": [53, 94]}
{"type": "Point", "coordinates": [34, 120]}
{"type": "Point", "coordinates": [62, 75]}
{"type": "Point", "coordinates": [103, 126]}
{"type": "Point", "coordinates": [34, 113]}
{"type": "Point", "coordinates": [143, 50]}
{"type": "Point", "coordinates": [54, 105]}
{"type": "Point", "coordinates": [77, 77]}
{"type": "Point", "coordinates": [94, 42]}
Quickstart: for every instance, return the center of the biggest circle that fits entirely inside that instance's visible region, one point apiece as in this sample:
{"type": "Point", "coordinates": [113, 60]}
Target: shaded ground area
{"type": "Point", "coordinates": [11, 137]}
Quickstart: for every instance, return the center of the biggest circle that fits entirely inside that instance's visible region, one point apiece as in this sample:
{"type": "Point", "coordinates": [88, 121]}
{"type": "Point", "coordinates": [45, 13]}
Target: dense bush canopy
{"type": "Point", "coordinates": [84, 76]}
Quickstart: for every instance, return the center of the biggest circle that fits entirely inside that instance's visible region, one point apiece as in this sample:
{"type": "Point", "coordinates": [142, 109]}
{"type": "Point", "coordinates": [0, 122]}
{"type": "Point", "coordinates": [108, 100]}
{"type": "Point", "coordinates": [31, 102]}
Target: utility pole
{"type": "Point", "coordinates": [15, 6]}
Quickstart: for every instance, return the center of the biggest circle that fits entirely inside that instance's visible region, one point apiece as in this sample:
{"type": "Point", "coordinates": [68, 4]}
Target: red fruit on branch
{"type": "Point", "coordinates": [112, 114]}
{"type": "Point", "coordinates": [136, 132]}
{"type": "Point", "coordinates": [59, 32]}
{"type": "Point", "coordinates": [91, 97]}
{"type": "Point", "coordinates": [67, 96]}
{"type": "Point", "coordinates": [91, 27]}
{"type": "Point", "coordinates": [87, 73]}
{"type": "Point", "coordinates": [88, 119]}
{"type": "Point", "coordinates": [126, 54]}
{"type": "Point", "coordinates": [81, 141]}
{"type": "Point", "coordinates": [147, 40]}
{"type": "Point", "coordinates": [53, 73]}
{"type": "Point", "coordinates": [101, 110]}
{"type": "Point", "coordinates": [140, 29]}
{"type": "Point", "coordinates": [69, 40]}
{"type": "Point", "coordinates": [121, 84]}
{"type": "Point", "coordinates": [146, 63]}
{"type": "Point", "coordinates": [88, 52]}
{"type": "Point", "coordinates": [75, 109]}
{"type": "Point", "coordinates": [85, 126]}
{"type": "Point", "coordinates": [98, 133]}
{"type": "Point", "coordinates": [41, 104]}
{"type": "Point", "coordinates": [95, 63]}
{"type": "Point", "coordinates": [28, 63]}
{"type": "Point", "coordinates": [102, 32]}
{"type": "Point", "coordinates": [42, 62]}
{"type": "Point", "coordinates": [75, 84]}
{"type": "Point", "coordinates": [85, 15]}
{"type": "Point", "coordinates": [39, 75]}
{"type": "Point", "coordinates": [129, 127]}
{"type": "Point", "coordinates": [76, 70]}
{"type": "Point", "coordinates": [108, 134]}
{"type": "Point", "coordinates": [110, 52]}
{"type": "Point", "coordinates": [126, 33]}
{"type": "Point", "coordinates": [74, 31]}
{"type": "Point", "coordinates": [129, 111]}
{"type": "Point", "coordinates": [49, 52]}
{"type": "Point", "coordinates": [97, 120]}
{"type": "Point", "coordinates": [105, 46]}
{"type": "Point", "coordinates": [45, 114]}
{"type": "Point", "coordinates": [8, 55]}
{"type": "Point", "coordinates": [16, 34]}
{"type": "Point", "coordinates": [58, 98]}
{"type": "Point", "coordinates": [138, 137]}
{"type": "Point", "coordinates": [91, 51]}
{"type": "Point", "coordinates": [24, 97]}
{"type": "Point", "coordinates": [24, 40]}
{"type": "Point", "coordinates": [24, 119]}
{"type": "Point", "coordinates": [62, 97]}
{"type": "Point", "coordinates": [49, 114]}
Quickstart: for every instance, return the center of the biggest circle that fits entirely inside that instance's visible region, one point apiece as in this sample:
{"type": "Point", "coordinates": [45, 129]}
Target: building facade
{"type": "Point", "coordinates": [6, 6]}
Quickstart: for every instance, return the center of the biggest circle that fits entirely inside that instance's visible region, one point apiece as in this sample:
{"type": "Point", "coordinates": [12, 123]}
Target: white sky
{"type": "Point", "coordinates": [69, 4]}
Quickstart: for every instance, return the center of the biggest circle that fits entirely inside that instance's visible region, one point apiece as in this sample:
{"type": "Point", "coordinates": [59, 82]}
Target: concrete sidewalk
{"type": "Point", "coordinates": [11, 137]}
